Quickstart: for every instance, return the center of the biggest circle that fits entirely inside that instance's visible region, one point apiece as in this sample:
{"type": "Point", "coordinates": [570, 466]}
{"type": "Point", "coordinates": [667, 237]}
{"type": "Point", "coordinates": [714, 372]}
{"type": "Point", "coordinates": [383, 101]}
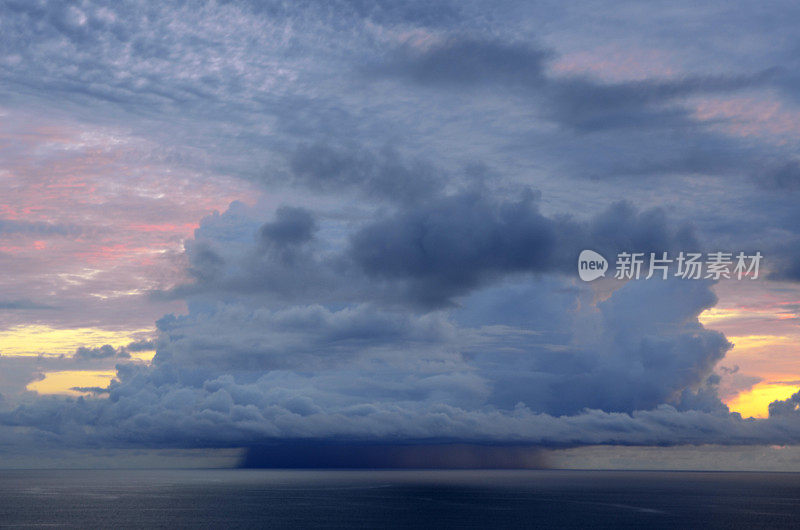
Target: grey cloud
{"type": "Point", "coordinates": [383, 174]}
{"type": "Point", "coordinates": [588, 105]}
{"type": "Point", "coordinates": [789, 407]}
{"type": "Point", "coordinates": [107, 351]}
{"type": "Point", "coordinates": [223, 413]}
{"type": "Point", "coordinates": [23, 305]}
{"type": "Point", "coordinates": [142, 345]}
{"type": "Point", "coordinates": [453, 244]}
{"type": "Point", "coordinates": [577, 102]}
{"type": "Point", "coordinates": [607, 130]}
{"type": "Point", "coordinates": [342, 363]}
{"type": "Point", "coordinates": [103, 352]}
{"type": "Point", "coordinates": [785, 260]}
{"type": "Point", "coordinates": [782, 178]}
{"type": "Point", "coordinates": [641, 347]}
{"type": "Point", "coordinates": [91, 389]}
{"type": "Point", "coordinates": [243, 375]}
{"type": "Point", "coordinates": [299, 337]}
{"type": "Point", "coordinates": [450, 245]}
{"type": "Point", "coordinates": [426, 253]}
{"type": "Point", "coordinates": [13, 226]}
{"type": "Point", "coordinates": [462, 62]}
{"type": "Point", "coordinates": [292, 226]}
{"type": "Point", "coordinates": [236, 254]}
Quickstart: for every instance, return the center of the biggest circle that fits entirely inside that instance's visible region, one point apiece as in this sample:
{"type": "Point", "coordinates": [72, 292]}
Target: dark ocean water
{"type": "Point", "coordinates": [396, 499]}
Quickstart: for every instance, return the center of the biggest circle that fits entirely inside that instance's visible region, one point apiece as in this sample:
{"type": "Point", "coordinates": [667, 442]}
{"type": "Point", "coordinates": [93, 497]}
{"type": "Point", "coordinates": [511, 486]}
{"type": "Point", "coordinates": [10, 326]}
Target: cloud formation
{"type": "Point", "coordinates": [360, 222]}
{"type": "Point", "coordinates": [556, 368]}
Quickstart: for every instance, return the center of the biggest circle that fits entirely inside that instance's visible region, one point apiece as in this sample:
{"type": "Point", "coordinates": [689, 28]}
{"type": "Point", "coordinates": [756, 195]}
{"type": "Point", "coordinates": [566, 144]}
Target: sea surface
{"type": "Point", "coordinates": [240, 498]}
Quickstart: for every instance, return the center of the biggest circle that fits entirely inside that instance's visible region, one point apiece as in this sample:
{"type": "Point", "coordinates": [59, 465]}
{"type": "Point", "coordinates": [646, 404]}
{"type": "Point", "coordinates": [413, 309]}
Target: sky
{"type": "Point", "coordinates": [225, 224]}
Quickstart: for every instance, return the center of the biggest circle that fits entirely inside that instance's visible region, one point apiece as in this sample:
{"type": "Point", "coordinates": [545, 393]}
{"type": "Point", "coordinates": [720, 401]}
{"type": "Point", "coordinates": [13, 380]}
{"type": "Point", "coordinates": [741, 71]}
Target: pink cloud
{"type": "Point", "coordinates": [746, 116]}
{"type": "Point", "coordinates": [613, 64]}
{"type": "Point", "coordinates": [127, 210]}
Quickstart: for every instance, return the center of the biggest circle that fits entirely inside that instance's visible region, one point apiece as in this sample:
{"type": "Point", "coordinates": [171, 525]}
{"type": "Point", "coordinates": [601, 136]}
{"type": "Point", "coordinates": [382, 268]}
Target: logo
{"type": "Point", "coordinates": [685, 265]}
{"type": "Point", "coordinates": [591, 265]}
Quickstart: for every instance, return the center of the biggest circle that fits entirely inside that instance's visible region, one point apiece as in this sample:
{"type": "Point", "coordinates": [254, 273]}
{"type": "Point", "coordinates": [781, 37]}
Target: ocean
{"type": "Point", "coordinates": [242, 498]}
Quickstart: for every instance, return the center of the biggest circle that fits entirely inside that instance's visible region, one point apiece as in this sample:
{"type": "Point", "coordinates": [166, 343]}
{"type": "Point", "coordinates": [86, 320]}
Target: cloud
{"type": "Point", "coordinates": [103, 352]}
{"type": "Point", "coordinates": [464, 62]}
{"type": "Point", "coordinates": [450, 245]}
{"type": "Point", "coordinates": [292, 226]}
{"type": "Point", "coordinates": [13, 227]}
{"type": "Point", "coordinates": [577, 102]}
{"type": "Point", "coordinates": [785, 260]}
{"type": "Point", "coordinates": [382, 174]}
{"type": "Point", "coordinates": [376, 292]}
{"type": "Point", "coordinates": [90, 389]}
{"type": "Point", "coordinates": [556, 368]}
{"type": "Point", "coordinates": [785, 408]}
{"type": "Point", "coordinates": [23, 305]}
{"type": "Point", "coordinates": [783, 178]}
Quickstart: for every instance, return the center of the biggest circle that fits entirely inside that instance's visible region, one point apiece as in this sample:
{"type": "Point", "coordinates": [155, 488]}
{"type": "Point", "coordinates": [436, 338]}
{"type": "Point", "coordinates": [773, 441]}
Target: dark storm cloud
{"type": "Point", "coordinates": [607, 129]}
{"type": "Point", "coordinates": [450, 245]}
{"type": "Point", "coordinates": [222, 413]}
{"type": "Point", "coordinates": [447, 246]}
{"type": "Point", "coordinates": [587, 105]}
{"type": "Point", "coordinates": [244, 366]}
{"type": "Point", "coordinates": [292, 226]}
{"type": "Point", "coordinates": [382, 174]}
{"type": "Point", "coordinates": [577, 102]}
{"type": "Point", "coordinates": [249, 370]}
{"type": "Point", "coordinates": [426, 253]}
{"type": "Point", "coordinates": [786, 261]}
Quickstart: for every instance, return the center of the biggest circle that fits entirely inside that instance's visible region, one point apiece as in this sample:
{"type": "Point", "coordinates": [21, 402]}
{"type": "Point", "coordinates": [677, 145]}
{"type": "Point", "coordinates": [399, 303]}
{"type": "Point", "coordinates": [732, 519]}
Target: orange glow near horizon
{"type": "Point", "coordinates": [63, 382]}
{"type": "Point", "coordinates": [754, 403]}
{"type": "Point", "coordinates": [34, 340]}
{"type": "Point", "coordinates": [766, 339]}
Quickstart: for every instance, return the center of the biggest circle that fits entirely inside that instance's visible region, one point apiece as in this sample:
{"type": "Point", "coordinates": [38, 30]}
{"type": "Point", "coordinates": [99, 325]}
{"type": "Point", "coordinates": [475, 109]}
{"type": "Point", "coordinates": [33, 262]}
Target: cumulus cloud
{"type": "Point", "coordinates": [557, 367]}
